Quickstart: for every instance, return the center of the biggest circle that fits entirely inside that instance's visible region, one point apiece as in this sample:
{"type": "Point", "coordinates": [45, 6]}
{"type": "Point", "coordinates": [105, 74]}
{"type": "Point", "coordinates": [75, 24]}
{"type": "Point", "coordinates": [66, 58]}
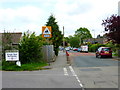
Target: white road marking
{"type": "Point", "coordinates": [65, 72]}
{"type": "Point", "coordinates": [74, 74]}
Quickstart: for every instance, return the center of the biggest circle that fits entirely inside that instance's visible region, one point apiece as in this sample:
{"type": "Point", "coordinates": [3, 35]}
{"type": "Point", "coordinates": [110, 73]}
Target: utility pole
{"type": "Point", "coordinates": [63, 40]}
{"type": "Point", "coordinates": [94, 35]}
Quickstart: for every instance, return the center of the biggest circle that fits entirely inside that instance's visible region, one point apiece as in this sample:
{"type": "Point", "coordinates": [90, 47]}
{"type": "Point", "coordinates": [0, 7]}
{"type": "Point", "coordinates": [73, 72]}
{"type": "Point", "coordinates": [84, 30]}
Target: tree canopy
{"type": "Point", "coordinates": [83, 33]}
{"type": "Point", "coordinates": [112, 25]}
{"type": "Point", "coordinates": [74, 41]}
{"type": "Point", "coordinates": [56, 33]}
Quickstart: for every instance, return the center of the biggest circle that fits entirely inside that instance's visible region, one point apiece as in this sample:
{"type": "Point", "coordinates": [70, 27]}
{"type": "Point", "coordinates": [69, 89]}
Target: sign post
{"type": "Point", "coordinates": [12, 55]}
{"type": "Point", "coordinates": [47, 33]}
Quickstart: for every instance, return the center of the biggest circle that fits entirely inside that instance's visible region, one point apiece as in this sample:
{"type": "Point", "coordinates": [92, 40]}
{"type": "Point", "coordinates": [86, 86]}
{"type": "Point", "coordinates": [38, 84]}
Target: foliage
{"type": "Point", "coordinates": [112, 25]}
{"type": "Point", "coordinates": [83, 33]}
{"type": "Point", "coordinates": [74, 41]}
{"type": "Point", "coordinates": [56, 33]}
{"type": "Point", "coordinates": [114, 47]}
{"type": "Point", "coordinates": [30, 48]}
{"type": "Point", "coordinates": [66, 41]}
{"type": "Point", "coordinates": [94, 47]}
{"type": "Point", "coordinates": [11, 66]}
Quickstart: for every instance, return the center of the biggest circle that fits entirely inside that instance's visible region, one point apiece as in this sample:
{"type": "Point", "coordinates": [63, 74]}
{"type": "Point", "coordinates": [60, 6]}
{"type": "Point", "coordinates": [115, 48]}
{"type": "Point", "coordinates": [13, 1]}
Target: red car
{"type": "Point", "coordinates": [75, 49]}
{"type": "Point", "coordinates": [104, 51]}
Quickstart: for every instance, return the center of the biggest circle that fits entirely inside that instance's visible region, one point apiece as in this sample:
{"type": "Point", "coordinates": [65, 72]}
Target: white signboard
{"type": "Point", "coordinates": [12, 55]}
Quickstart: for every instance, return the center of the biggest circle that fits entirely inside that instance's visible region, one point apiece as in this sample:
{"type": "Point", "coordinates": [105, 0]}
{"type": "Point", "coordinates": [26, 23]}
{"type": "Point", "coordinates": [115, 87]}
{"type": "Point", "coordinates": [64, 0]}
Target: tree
{"type": "Point", "coordinates": [56, 33]}
{"type": "Point", "coordinates": [112, 25]}
{"type": "Point", "coordinates": [74, 41]}
{"type": "Point", "coordinates": [30, 48]}
{"type": "Point", "coordinates": [83, 33]}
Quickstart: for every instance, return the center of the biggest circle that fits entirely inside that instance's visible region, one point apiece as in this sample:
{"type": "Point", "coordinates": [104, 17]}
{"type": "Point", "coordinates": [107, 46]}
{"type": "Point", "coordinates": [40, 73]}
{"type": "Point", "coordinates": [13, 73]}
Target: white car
{"type": "Point", "coordinates": [67, 48]}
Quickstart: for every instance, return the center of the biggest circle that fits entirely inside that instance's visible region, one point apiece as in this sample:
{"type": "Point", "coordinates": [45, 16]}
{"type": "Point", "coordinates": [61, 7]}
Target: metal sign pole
{"type": "Point", "coordinates": [48, 52]}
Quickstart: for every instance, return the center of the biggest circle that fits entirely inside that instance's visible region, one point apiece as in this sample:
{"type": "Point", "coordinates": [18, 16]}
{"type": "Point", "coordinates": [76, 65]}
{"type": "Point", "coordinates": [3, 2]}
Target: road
{"type": "Point", "coordinates": [61, 75]}
{"type": "Point", "coordinates": [85, 71]}
{"type": "Point", "coordinates": [95, 72]}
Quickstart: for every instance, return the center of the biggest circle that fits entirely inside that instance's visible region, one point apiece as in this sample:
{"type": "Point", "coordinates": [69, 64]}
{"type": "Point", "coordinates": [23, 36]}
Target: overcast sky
{"type": "Point", "coordinates": [21, 15]}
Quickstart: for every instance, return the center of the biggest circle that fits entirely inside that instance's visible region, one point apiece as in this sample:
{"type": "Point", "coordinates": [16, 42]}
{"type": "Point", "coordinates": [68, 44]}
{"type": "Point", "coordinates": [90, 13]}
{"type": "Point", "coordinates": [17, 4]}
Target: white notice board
{"type": "Point", "coordinates": [12, 55]}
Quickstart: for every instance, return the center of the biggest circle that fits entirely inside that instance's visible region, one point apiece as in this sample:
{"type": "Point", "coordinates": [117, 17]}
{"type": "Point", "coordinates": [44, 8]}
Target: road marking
{"type": "Point", "coordinates": [74, 74]}
{"type": "Point", "coordinates": [65, 72]}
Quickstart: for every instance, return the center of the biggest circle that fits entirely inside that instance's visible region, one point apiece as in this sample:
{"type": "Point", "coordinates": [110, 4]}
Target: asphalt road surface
{"type": "Point", "coordinates": [95, 72]}
{"type": "Point", "coordinates": [60, 76]}
{"type": "Point", "coordinates": [85, 71]}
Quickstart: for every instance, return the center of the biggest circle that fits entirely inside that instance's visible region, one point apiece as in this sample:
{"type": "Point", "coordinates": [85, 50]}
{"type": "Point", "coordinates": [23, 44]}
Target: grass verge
{"type": "Point", "coordinates": [11, 66]}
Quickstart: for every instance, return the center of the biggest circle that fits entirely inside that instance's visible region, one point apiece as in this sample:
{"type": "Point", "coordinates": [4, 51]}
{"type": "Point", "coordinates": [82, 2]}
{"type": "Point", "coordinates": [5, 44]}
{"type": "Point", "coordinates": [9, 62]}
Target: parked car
{"type": "Point", "coordinates": [104, 51]}
{"type": "Point", "coordinates": [79, 49]}
{"type": "Point", "coordinates": [75, 49]}
{"type": "Point", "coordinates": [67, 48]}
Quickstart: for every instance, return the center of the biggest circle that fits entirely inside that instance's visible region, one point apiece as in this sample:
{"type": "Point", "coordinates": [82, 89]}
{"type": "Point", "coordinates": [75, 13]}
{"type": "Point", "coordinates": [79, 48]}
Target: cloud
{"type": "Point", "coordinates": [72, 14]}
{"type": "Point", "coordinates": [27, 17]}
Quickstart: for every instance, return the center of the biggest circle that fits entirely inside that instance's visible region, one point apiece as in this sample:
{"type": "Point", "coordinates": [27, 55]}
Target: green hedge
{"type": "Point", "coordinates": [94, 47]}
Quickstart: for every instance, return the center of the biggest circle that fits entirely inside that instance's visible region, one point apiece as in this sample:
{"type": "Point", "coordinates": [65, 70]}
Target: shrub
{"type": "Point", "coordinates": [30, 48]}
{"type": "Point", "coordinates": [94, 47]}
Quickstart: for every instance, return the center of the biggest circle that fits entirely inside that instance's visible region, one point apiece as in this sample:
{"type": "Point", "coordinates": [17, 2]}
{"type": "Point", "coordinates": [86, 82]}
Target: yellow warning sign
{"type": "Point", "coordinates": [46, 32]}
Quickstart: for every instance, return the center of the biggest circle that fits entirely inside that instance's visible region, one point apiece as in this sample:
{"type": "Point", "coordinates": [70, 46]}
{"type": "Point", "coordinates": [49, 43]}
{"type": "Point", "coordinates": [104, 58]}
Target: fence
{"type": "Point", "coordinates": [48, 53]}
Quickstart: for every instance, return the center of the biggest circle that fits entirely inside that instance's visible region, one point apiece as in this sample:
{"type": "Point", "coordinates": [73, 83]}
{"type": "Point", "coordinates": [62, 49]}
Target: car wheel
{"type": "Point", "coordinates": [111, 56]}
{"type": "Point", "coordinates": [101, 56]}
{"type": "Point", "coordinates": [96, 56]}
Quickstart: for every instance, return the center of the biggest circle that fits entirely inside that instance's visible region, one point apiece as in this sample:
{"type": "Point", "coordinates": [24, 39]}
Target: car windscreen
{"type": "Point", "coordinates": [106, 49]}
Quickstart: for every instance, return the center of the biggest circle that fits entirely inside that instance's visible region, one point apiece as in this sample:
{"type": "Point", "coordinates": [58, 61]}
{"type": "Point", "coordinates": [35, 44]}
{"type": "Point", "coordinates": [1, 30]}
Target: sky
{"type": "Point", "coordinates": [23, 15]}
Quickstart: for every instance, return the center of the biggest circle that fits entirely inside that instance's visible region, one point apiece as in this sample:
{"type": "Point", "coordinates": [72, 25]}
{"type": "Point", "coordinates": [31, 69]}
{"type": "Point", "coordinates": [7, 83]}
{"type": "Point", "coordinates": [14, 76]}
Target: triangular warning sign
{"type": "Point", "coordinates": [46, 31]}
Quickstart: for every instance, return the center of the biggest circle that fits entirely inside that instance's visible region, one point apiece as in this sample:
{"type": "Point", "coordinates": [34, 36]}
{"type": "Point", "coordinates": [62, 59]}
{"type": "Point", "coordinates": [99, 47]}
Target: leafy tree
{"type": "Point", "coordinates": [30, 48]}
{"type": "Point", "coordinates": [74, 41]}
{"type": "Point", "coordinates": [56, 33]}
{"type": "Point", "coordinates": [112, 25]}
{"type": "Point", "coordinates": [66, 41]}
{"type": "Point", "coordinates": [83, 33]}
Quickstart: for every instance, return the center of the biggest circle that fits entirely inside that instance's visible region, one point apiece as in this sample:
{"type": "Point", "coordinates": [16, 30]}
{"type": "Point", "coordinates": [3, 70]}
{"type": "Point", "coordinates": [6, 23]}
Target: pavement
{"type": "Point", "coordinates": [61, 60]}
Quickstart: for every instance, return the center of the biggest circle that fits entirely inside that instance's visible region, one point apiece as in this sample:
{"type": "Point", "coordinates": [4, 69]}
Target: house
{"type": "Point", "coordinates": [96, 40]}
{"type": "Point", "coordinates": [9, 40]}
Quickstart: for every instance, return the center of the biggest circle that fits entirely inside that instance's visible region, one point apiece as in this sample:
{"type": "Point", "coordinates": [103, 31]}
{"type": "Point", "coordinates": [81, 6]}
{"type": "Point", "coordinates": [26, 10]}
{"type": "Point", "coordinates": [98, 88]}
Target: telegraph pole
{"type": "Point", "coordinates": [94, 35]}
{"type": "Point", "coordinates": [63, 40]}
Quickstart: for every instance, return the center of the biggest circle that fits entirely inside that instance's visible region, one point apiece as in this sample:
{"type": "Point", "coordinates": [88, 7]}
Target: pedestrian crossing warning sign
{"type": "Point", "coordinates": [46, 32]}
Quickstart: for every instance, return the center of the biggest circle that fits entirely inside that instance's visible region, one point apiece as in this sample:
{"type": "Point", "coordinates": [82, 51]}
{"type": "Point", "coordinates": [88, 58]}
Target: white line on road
{"type": "Point", "coordinates": [65, 72]}
{"type": "Point", "coordinates": [74, 74]}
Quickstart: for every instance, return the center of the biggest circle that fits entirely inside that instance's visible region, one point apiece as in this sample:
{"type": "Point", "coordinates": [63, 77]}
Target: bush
{"type": "Point", "coordinates": [94, 47]}
{"type": "Point", "coordinates": [30, 48]}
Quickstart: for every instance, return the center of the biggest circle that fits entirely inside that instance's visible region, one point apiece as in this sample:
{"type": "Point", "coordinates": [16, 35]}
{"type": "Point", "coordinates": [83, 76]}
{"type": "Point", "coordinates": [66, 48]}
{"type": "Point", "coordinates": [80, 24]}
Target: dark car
{"type": "Point", "coordinates": [104, 51]}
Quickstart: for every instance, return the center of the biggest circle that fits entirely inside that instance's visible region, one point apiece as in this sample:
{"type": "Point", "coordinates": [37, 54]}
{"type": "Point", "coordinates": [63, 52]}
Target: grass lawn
{"type": "Point", "coordinates": [11, 66]}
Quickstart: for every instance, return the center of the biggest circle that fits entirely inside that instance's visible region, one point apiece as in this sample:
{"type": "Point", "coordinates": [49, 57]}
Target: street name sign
{"type": "Point", "coordinates": [46, 32]}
